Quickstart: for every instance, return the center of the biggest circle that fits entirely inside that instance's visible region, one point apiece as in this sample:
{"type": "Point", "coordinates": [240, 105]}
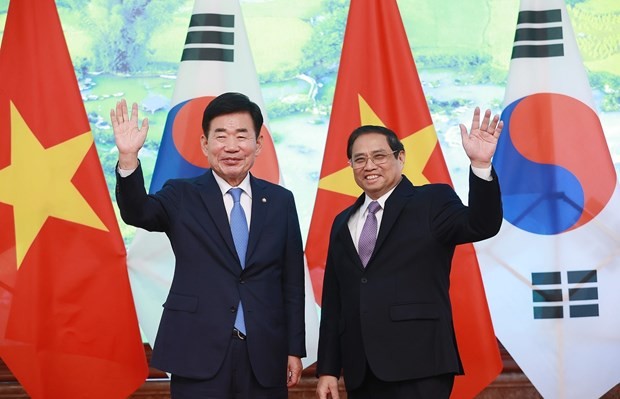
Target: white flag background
{"type": "Point", "coordinates": [552, 274]}
{"type": "Point", "coordinates": [216, 59]}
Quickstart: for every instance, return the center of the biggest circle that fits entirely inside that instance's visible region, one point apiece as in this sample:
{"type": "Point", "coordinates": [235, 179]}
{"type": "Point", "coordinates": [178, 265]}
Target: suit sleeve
{"type": "Point", "coordinates": [456, 223]}
{"type": "Point", "coordinates": [329, 362]}
{"type": "Point", "coordinates": [293, 281]}
{"type": "Point", "coordinates": [137, 208]}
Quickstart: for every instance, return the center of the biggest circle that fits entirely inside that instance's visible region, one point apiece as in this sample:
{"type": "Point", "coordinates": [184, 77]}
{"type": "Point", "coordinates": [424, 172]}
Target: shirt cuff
{"type": "Point", "coordinates": [483, 173]}
{"type": "Point", "coordinates": [125, 172]}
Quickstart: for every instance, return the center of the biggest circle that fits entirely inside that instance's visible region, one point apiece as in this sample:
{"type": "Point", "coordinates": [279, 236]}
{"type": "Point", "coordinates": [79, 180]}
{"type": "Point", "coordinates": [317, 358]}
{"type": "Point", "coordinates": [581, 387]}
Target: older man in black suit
{"type": "Point", "coordinates": [386, 317]}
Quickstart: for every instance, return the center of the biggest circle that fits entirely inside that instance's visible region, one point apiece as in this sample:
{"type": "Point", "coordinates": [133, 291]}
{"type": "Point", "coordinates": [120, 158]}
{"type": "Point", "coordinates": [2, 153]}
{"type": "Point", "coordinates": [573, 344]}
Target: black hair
{"type": "Point", "coordinates": [229, 103]}
{"type": "Point", "coordinates": [389, 134]}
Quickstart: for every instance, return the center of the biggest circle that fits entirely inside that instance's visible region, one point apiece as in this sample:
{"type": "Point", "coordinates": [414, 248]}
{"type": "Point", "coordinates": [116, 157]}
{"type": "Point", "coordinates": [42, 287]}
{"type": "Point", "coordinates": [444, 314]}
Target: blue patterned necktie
{"type": "Point", "coordinates": [239, 230]}
{"type": "Point", "coordinates": [368, 237]}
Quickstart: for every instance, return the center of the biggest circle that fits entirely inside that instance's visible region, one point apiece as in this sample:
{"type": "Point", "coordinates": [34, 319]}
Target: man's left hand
{"type": "Point", "coordinates": [293, 372]}
{"type": "Point", "coordinates": [481, 141]}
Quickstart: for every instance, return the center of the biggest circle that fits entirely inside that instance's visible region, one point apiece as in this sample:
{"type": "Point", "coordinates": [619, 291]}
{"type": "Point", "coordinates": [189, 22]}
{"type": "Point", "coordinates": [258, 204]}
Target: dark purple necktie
{"type": "Point", "coordinates": [368, 237]}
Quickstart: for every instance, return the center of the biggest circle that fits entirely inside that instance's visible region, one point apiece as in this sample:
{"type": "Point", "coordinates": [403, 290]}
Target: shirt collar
{"type": "Point", "coordinates": [381, 200]}
{"type": "Point", "coordinates": [224, 186]}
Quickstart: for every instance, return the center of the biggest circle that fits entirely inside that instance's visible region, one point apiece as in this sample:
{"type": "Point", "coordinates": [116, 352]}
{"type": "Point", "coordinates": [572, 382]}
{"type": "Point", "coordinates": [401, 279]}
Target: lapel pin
{"type": "Point", "coordinates": [264, 200]}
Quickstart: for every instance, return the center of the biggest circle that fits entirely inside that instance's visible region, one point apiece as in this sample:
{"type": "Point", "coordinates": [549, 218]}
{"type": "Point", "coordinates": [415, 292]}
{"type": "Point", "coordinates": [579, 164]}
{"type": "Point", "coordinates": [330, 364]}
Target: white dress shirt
{"type": "Point", "coordinates": [246, 196]}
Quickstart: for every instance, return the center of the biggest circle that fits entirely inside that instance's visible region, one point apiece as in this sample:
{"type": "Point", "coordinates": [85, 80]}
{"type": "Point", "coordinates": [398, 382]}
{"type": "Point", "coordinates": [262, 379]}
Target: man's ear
{"type": "Point", "coordinates": [259, 143]}
{"type": "Point", "coordinates": [204, 144]}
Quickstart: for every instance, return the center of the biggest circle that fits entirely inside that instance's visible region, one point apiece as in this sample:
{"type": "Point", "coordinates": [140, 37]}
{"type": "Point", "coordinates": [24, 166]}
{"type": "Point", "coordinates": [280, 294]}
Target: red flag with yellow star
{"type": "Point", "coordinates": [68, 328]}
{"type": "Point", "coordinates": [378, 84]}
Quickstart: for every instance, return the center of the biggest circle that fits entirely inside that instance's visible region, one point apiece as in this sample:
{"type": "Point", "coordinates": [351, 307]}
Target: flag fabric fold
{"type": "Point", "coordinates": [68, 327]}
{"type": "Point", "coordinates": [378, 84]}
{"type": "Point", "coordinates": [210, 65]}
{"type": "Point", "coordinates": [553, 271]}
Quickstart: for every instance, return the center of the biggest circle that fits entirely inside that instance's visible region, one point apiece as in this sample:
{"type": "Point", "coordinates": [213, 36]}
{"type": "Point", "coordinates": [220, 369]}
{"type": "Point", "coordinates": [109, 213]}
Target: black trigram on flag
{"type": "Point", "coordinates": [537, 35]}
{"type": "Point", "coordinates": [210, 37]}
{"type": "Point", "coordinates": [550, 294]}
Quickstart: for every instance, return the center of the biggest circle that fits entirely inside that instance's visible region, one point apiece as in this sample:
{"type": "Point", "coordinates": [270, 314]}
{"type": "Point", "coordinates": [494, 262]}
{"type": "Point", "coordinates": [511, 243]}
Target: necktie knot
{"type": "Point", "coordinates": [236, 193]}
{"type": "Point", "coordinates": [373, 207]}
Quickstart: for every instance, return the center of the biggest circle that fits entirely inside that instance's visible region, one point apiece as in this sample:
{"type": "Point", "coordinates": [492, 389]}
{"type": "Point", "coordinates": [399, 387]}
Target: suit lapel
{"type": "Point", "coordinates": [214, 204]}
{"type": "Point", "coordinates": [345, 234]}
{"type": "Point", "coordinates": [260, 205]}
{"type": "Point", "coordinates": [393, 208]}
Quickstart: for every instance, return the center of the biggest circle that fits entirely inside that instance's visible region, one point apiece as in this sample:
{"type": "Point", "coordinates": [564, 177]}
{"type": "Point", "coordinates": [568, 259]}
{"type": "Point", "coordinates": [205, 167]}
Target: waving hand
{"type": "Point", "coordinates": [481, 141]}
{"type": "Point", "coordinates": [128, 137]}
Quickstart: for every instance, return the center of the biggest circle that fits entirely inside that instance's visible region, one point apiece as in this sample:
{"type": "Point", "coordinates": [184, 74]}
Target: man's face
{"type": "Point", "coordinates": [231, 146]}
{"type": "Point", "coordinates": [376, 180]}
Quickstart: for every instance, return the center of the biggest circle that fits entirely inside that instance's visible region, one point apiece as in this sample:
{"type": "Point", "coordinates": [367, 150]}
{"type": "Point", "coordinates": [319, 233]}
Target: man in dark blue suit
{"type": "Point", "coordinates": [233, 321]}
{"type": "Point", "coordinates": [386, 318]}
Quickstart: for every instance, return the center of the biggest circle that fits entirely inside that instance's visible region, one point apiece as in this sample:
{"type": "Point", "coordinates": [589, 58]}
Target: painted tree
{"type": "Point", "coordinates": [120, 31]}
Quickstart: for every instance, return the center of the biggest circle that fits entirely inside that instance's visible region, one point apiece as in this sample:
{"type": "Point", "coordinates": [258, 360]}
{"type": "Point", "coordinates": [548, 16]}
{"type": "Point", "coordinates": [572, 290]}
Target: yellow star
{"type": "Point", "coordinates": [38, 183]}
{"type": "Point", "coordinates": [418, 146]}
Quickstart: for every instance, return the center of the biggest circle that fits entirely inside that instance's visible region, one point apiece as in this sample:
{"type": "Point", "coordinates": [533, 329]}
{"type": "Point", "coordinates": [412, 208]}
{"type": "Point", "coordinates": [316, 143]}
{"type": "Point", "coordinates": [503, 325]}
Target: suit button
{"type": "Point", "coordinates": [233, 309]}
{"type": "Point", "coordinates": [364, 280]}
{"type": "Point", "coordinates": [241, 281]}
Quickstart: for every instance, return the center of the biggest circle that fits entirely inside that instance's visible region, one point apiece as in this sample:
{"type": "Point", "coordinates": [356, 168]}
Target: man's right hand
{"type": "Point", "coordinates": [327, 387]}
{"type": "Point", "coordinates": [128, 137]}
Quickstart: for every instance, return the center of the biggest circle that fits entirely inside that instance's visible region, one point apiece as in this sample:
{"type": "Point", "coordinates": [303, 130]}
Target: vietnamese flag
{"type": "Point", "coordinates": [378, 84]}
{"type": "Point", "coordinates": [68, 328]}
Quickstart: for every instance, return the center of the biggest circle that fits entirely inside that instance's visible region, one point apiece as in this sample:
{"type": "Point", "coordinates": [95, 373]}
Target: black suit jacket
{"type": "Point", "coordinates": [395, 314]}
{"type": "Point", "coordinates": [199, 312]}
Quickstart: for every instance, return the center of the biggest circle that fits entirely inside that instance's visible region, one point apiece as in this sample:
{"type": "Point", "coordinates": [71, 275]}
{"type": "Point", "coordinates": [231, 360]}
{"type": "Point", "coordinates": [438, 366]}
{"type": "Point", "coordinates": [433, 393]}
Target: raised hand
{"type": "Point", "coordinates": [481, 141]}
{"type": "Point", "coordinates": [128, 137]}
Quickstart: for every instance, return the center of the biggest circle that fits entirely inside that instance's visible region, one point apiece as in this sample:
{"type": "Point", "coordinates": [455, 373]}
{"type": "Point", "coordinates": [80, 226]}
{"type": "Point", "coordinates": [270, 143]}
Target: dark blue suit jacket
{"type": "Point", "coordinates": [199, 313]}
{"type": "Point", "coordinates": [395, 314]}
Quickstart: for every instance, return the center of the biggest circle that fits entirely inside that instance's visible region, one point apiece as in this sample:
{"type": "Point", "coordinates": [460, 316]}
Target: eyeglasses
{"type": "Point", "coordinates": [378, 158]}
